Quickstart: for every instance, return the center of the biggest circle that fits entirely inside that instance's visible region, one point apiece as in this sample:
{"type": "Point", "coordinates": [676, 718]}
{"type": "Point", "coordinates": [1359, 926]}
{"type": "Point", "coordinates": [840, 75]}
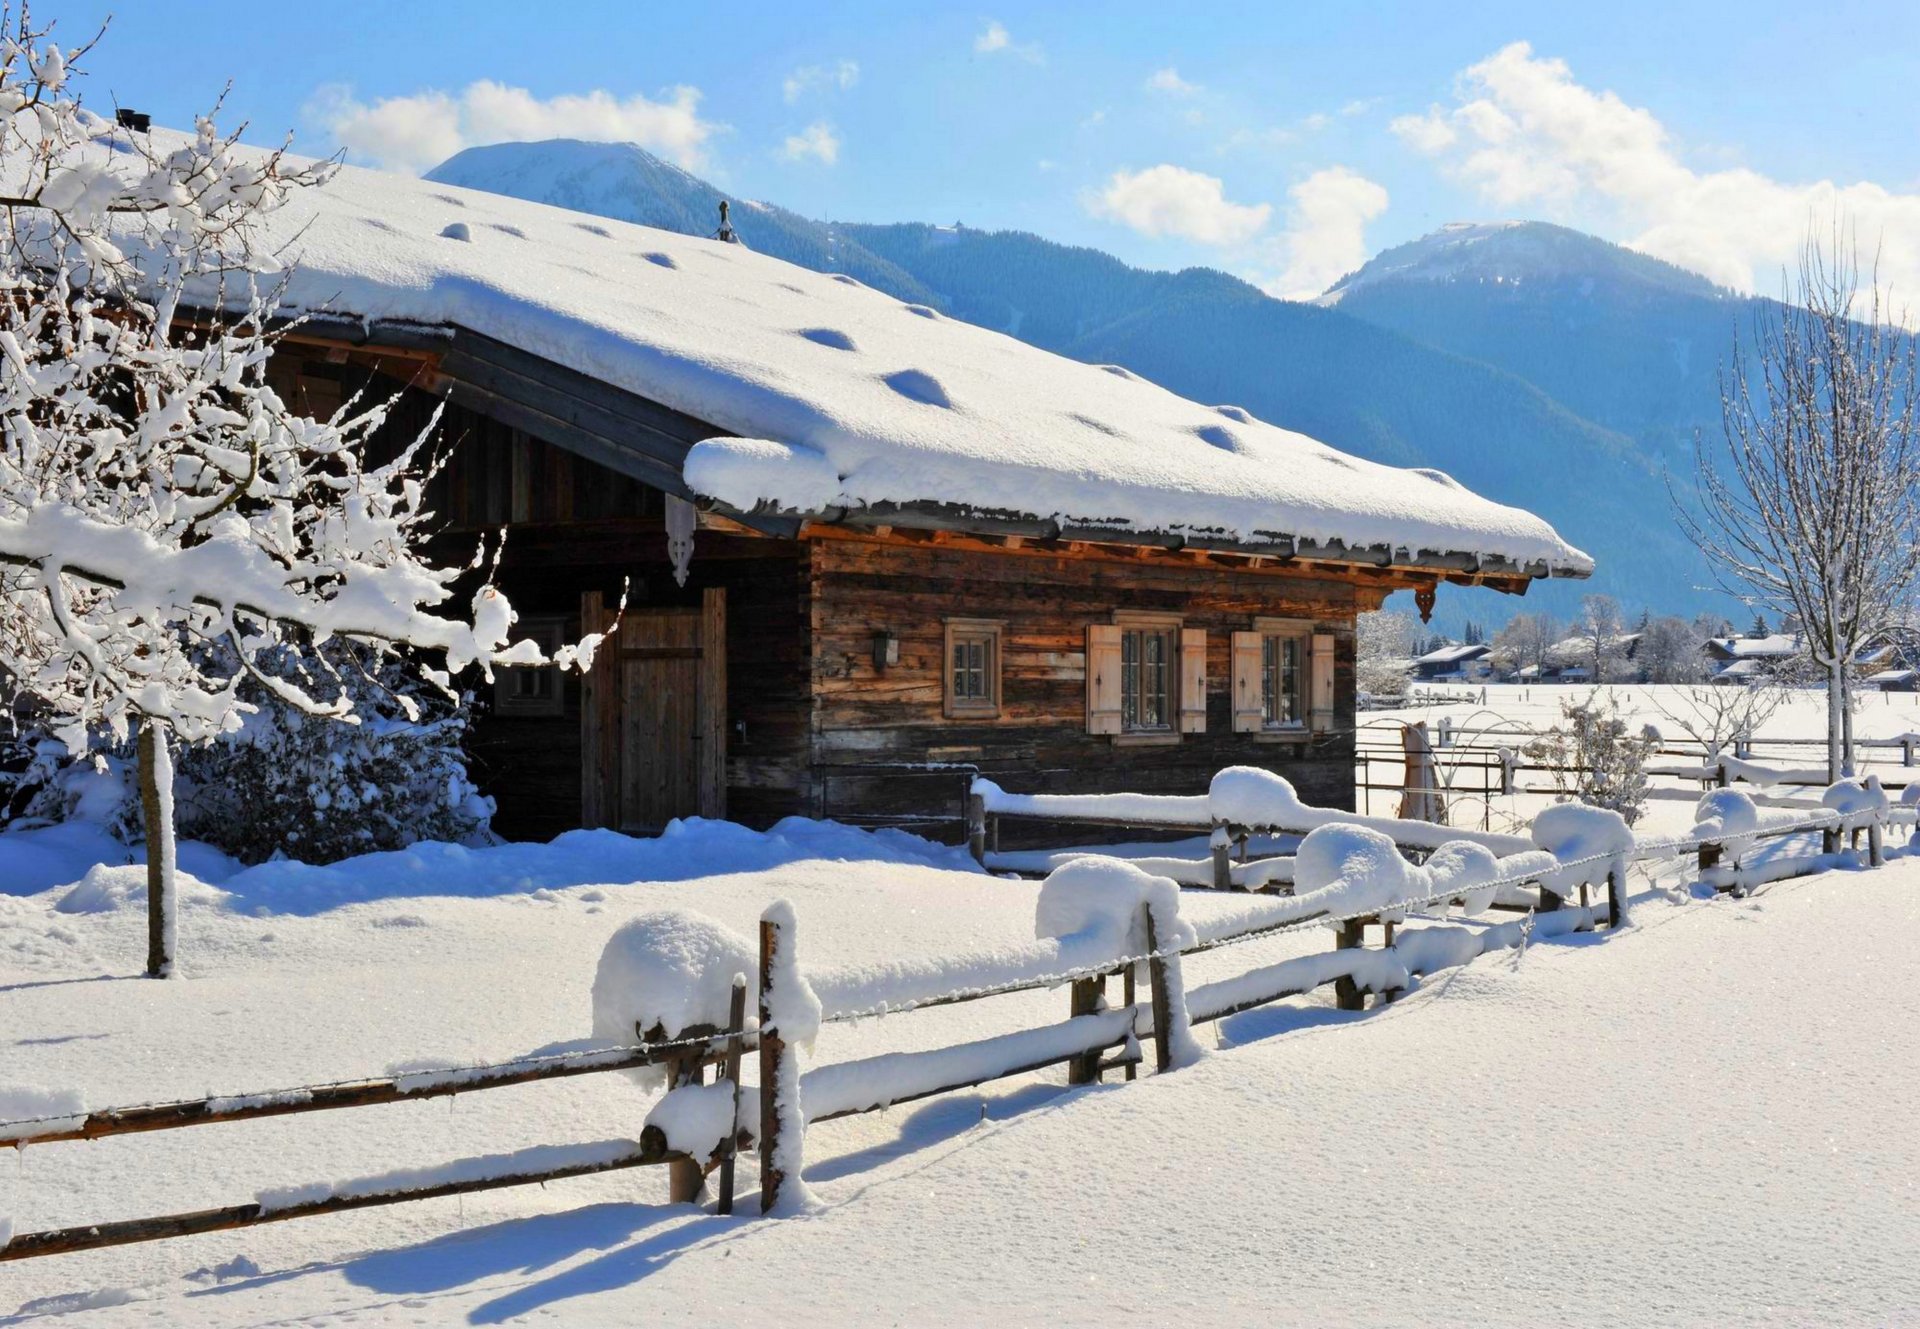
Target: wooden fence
{"type": "Point", "coordinates": [1082, 1042]}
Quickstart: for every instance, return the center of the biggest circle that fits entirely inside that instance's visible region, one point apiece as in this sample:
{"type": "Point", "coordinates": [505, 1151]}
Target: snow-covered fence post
{"type": "Point", "coordinates": [1876, 840]}
{"type": "Point", "coordinates": [1086, 996]}
{"type": "Point", "coordinates": [1617, 891]}
{"type": "Point", "coordinates": [789, 1015]}
{"type": "Point", "coordinates": [1220, 845]}
{"type": "Point", "coordinates": [730, 1070]}
{"type": "Point", "coordinates": [156, 810]}
{"type": "Point", "coordinates": [1352, 935]}
{"type": "Point", "coordinates": [1157, 984]}
{"type": "Point", "coordinates": [977, 825]}
{"type": "Point", "coordinates": [685, 1175]}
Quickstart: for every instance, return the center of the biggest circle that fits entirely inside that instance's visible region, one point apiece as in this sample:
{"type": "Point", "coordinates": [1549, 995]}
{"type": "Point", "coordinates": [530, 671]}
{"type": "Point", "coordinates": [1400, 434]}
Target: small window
{"type": "Point", "coordinates": [1283, 680]}
{"type": "Point", "coordinates": [534, 691]}
{"type": "Point", "coordinates": [1146, 679]}
{"type": "Point", "coordinates": [972, 669]}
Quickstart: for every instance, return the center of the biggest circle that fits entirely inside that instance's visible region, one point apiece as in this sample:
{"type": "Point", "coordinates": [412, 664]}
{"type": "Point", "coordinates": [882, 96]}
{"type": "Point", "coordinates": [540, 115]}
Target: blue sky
{"type": "Point", "coordinates": [1279, 141]}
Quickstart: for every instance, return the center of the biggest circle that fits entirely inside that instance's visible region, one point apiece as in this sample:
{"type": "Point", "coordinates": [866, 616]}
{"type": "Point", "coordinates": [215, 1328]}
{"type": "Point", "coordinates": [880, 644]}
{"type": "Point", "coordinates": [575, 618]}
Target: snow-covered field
{"type": "Point", "coordinates": [1695, 1121]}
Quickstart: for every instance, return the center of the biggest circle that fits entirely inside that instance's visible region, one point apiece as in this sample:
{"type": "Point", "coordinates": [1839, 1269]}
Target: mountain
{"type": "Point", "coordinates": [1449, 389]}
{"type": "Point", "coordinates": [1625, 340]}
{"type": "Point", "coordinates": [628, 183]}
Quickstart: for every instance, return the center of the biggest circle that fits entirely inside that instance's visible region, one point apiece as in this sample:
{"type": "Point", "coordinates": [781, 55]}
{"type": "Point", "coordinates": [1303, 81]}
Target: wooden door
{"type": "Point", "coordinates": [653, 716]}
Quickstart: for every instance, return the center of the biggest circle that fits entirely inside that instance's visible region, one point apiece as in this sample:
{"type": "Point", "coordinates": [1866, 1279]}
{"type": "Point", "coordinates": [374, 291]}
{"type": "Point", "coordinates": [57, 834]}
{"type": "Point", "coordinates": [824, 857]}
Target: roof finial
{"type": "Point", "coordinates": [726, 228]}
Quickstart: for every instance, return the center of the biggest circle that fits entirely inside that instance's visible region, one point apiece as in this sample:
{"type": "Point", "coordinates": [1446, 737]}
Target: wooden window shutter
{"type": "Point", "coordinates": [1193, 680]}
{"type": "Point", "coordinates": [1246, 683]}
{"type": "Point", "coordinates": [1320, 682]}
{"type": "Point", "coordinates": [1103, 678]}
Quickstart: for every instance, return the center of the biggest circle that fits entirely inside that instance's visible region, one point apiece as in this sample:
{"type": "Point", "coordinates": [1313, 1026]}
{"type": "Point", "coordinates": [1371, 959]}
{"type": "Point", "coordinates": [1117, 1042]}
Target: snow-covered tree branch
{"type": "Point", "coordinates": [166, 520]}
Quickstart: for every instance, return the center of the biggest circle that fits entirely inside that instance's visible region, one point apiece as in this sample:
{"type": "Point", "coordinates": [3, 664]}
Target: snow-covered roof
{"type": "Point", "coordinates": [1453, 654]}
{"type": "Point", "coordinates": [844, 397]}
{"type": "Point", "coordinates": [1779, 645]}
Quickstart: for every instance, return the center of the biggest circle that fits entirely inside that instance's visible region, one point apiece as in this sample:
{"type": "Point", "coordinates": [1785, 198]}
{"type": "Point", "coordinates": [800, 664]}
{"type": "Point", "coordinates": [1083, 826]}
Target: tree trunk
{"type": "Point", "coordinates": [1836, 706]}
{"type": "Point", "coordinates": [1849, 757]}
{"type": "Point", "coordinates": [156, 809]}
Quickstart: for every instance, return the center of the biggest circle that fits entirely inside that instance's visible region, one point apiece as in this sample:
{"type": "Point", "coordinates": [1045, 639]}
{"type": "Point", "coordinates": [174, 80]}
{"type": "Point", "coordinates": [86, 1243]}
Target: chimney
{"type": "Point", "coordinates": [138, 121]}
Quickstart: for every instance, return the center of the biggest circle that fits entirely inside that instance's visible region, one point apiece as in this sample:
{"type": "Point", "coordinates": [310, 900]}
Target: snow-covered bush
{"type": "Point", "coordinates": [286, 782]}
{"type": "Point", "coordinates": [1596, 758]}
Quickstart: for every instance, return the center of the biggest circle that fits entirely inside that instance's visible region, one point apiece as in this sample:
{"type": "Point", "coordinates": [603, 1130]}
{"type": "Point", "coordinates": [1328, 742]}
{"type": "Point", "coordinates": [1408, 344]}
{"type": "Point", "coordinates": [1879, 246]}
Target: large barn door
{"type": "Point", "coordinates": [654, 716]}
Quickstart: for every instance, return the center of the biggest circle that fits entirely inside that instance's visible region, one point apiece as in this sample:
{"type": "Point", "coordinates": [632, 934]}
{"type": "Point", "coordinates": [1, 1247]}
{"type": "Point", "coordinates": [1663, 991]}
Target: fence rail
{"type": "Point", "coordinates": [836, 1090]}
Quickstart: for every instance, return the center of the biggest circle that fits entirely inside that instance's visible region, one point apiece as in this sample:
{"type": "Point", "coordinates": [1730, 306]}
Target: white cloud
{"type": "Point", "coordinates": [817, 141]}
{"type": "Point", "coordinates": [842, 74]}
{"type": "Point", "coordinates": [995, 39]}
{"type": "Point", "coordinates": [1326, 230]}
{"type": "Point", "coordinates": [1168, 80]}
{"type": "Point", "coordinates": [1359, 106]}
{"type": "Point", "coordinates": [1171, 200]}
{"type": "Point", "coordinates": [414, 133]}
{"type": "Point", "coordinates": [1524, 133]}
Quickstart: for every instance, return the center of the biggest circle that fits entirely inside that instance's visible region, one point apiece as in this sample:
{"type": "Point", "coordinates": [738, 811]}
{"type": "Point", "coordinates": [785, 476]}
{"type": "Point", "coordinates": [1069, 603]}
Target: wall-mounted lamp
{"type": "Point", "coordinates": [886, 650]}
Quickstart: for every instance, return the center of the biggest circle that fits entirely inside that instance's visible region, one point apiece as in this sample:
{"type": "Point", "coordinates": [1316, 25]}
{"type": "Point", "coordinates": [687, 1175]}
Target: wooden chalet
{"type": "Point", "coordinates": [851, 660]}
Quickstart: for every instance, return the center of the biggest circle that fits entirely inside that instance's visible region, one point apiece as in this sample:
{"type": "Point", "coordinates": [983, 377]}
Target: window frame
{"type": "Point", "coordinates": [1132, 622]}
{"type": "Point", "coordinates": [1300, 631]}
{"type": "Point", "coordinates": [550, 630]}
{"type": "Point", "coordinates": [991, 633]}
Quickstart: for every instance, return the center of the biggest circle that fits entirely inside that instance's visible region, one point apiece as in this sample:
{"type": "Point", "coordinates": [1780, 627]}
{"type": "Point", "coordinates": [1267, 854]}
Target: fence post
{"type": "Point", "coordinates": [1084, 997]}
{"type": "Point", "coordinates": [1876, 843]}
{"type": "Point", "coordinates": [1720, 773]}
{"type": "Point", "coordinates": [1346, 993]}
{"type": "Point", "coordinates": [1221, 844]}
{"type": "Point", "coordinates": [772, 1058]}
{"type": "Point", "coordinates": [685, 1176]}
{"type": "Point", "coordinates": [1906, 752]}
{"type": "Point", "coordinates": [730, 1069]}
{"type": "Point", "coordinates": [977, 826]}
{"type": "Point", "coordinates": [1709, 856]}
{"type": "Point", "coordinates": [1162, 1005]}
{"type": "Point", "coordinates": [1616, 892]}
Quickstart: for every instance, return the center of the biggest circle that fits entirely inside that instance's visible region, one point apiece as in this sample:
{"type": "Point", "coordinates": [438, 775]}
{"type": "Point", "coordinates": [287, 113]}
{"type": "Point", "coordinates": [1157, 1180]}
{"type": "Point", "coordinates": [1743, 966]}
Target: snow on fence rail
{"type": "Point", "coordinates": [1096, 919]}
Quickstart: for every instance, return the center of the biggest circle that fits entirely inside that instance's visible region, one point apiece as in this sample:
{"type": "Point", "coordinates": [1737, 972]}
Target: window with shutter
{"type": "Point", "coordinates": [1103, 678]}
{"type": "Point", "coordinates": [1193, 681]}
{"type": "Point", "coordinates": [1320, 682]}
{"type": "Point", "coordinates": [1245, 662]}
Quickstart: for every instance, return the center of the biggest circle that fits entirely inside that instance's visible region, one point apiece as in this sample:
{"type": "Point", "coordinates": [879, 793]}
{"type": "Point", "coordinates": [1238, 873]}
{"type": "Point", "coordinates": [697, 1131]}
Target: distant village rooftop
{"type": "Point", "coordinates": [833, 401]}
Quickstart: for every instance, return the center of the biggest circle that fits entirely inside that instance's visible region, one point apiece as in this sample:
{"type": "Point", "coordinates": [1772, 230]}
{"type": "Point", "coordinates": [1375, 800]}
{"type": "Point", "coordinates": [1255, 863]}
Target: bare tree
{"type": "Point", "coordinates": [1527, 639]}
{"type": "Point", "coordinates": [1383, 650]}
{"type": "Point", "coordinates": [1671, 650]}
{"type": "Point", "coordinates": [1599, 630]}
{"type": "Point", "coordinates": [1810, 501]}
{"type": "Point", "coordinates": [1721, 717]}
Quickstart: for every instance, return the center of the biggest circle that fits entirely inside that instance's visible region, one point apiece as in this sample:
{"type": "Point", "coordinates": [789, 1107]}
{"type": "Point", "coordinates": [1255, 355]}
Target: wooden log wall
{"type": "Point", "coordinates": [868, 723]}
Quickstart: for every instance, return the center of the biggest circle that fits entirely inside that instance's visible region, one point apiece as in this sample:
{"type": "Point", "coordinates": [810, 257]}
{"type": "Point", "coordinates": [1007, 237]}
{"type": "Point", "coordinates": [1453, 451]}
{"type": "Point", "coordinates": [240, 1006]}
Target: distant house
{"type": "Point", "coordinates": [1747, 660]}
{"type": "Point", "coordinates": [1455, 664]}
{"type": "Point", "coordinates": [1895, 680]}
{"type": "Point", "coordinates": [864, 549]}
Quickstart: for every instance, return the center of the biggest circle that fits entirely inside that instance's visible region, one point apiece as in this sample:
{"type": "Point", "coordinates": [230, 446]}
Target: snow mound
{"type": "Point", "coordinates": [1351, 870]}
{"type": "Point", "coordinates": [670, 969]}
{"type": "Point", "coordinates": [1728, 817]}
{"type": "Point", "coordinates": [1466, 868]}
{"type": "Point", "coordinates": [1578, 830]}
{"type": "Point", "coordinates": [1103, 897]}
{"type": "Point", "coordinates": [695, 1118]}
{"type": "Point", "coordinates": [108, 890]}
{"type": "Point", "coordinates": [1249, 796]}
{"type": "Point", "coordinates": [1854, 798]}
